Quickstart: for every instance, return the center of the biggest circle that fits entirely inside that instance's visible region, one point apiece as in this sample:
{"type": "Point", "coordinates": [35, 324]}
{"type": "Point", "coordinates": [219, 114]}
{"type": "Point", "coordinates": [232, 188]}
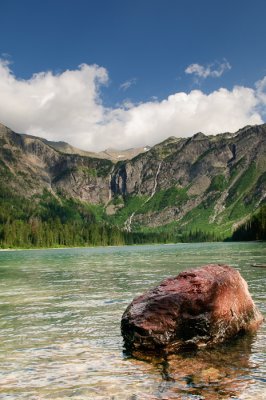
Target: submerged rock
{"type": "Point", "coordinates": [199, 307]}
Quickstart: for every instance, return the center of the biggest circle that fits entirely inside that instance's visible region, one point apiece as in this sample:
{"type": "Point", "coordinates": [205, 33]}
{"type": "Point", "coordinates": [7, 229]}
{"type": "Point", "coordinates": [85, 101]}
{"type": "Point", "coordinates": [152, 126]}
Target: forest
{"type": "Point", "coordinates": [254, 228]}
{"type": "Point", "coordinates": [49, 221]}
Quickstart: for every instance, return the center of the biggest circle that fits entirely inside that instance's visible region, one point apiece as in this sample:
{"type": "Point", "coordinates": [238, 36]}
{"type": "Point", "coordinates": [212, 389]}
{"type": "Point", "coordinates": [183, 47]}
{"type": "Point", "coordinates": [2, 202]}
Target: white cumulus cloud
{"type": "Point", "coordinates": [68, 107]}
{"type": "Point", "coordinates": [212, 70]}
{"type": "Point", "coordinates": [261, 90]}
{"type": "Point", "coordinates": [62, 106]}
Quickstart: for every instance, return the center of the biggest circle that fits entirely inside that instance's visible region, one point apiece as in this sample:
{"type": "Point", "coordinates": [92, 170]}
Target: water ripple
{"type": "Point", "coordinates": [60, 326]}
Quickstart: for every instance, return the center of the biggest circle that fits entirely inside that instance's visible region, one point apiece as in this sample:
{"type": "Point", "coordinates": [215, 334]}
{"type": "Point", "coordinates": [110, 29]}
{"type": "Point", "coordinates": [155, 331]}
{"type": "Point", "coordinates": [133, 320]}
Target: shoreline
{"type": "Point", "coordinates": [121, 245]}
{"type": "Point", "coordinates": [95, 247]}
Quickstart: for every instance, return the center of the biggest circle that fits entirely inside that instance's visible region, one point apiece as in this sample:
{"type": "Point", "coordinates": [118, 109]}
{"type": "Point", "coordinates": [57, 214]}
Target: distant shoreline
{"type": "Point", "coordinates": [124, 245]}
{"type": "Point", "coordinates": [95, 247]}
{"type": "Point", "coordinates": [54, 248]}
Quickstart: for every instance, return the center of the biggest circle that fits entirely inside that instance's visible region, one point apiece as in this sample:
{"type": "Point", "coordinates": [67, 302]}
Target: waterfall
{"type": "Point", "coordinates": [128, 222]}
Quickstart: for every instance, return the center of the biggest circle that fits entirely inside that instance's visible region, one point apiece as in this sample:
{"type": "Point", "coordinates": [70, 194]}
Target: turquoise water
{"type": "Point", "coordinates": [60, 313]}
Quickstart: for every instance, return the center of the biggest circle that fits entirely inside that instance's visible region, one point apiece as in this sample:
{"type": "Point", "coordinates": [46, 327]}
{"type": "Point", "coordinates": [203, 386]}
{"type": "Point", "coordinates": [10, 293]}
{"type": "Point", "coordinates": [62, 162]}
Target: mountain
{"type": "Point", "coordinates": [206, 182]}
{"type": "Point", "coordinates": [108, 154]}
{"type": "Point", "coordinates": [210, 184]}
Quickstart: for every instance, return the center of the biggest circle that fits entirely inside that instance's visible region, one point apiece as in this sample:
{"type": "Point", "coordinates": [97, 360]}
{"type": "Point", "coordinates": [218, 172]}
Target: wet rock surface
{"type": "Point", "coordinates": [199, 307]}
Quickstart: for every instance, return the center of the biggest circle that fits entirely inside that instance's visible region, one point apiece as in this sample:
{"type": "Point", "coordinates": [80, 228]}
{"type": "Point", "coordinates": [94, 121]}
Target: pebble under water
{"type": "Point", "coordinates": [60, 313]}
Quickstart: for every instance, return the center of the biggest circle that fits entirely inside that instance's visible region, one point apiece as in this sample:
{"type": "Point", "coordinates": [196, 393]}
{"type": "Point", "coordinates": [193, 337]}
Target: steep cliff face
{"type": "Point", "coordinates": [193, 162]}
{"type": "Point", "coordinates": [221, 177]}
{"type": "Point", "coordinates": [198, 181]}
{"type": "Point", "coordinates": [32, 166]}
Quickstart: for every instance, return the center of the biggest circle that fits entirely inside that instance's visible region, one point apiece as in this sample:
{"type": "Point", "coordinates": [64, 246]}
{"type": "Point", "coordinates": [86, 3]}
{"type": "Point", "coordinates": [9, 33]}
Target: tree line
{"type": "Point", "coordinates": [254, 228]}
{"type": "Point", "coordinates": [47, 221]}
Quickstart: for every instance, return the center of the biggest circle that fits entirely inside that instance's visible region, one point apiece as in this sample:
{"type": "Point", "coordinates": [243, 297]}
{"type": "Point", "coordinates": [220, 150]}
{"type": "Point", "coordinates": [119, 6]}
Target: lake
{"type": "Point", "coordinates": [60, 325]}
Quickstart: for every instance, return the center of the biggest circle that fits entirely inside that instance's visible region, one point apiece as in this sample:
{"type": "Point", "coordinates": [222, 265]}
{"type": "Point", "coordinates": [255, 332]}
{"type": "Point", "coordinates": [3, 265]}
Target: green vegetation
{"type": "Point", "coordinates": [102, 167]}
{"type": "Point", "coordinates": [218, 183]}
{"type": "Point", "coordinates": [181, 209]}
{"type": "Point", "coordinates": [238, 209]}
{"type": "Point", "coordinates": [54, 221]}
{"type": "Point", "coordinates": [165, 198]}
{"type": "Point", "coordinates": [5, 172]}
{"type": "Point", "coordinates": [131, 204]}
{"type": "Point", "coordinates": [89, 172]}
{"type": "Point", "coordinates": [198, 217]}
{"type": "Point", "coordinates": [139, 205]}
{"type": "Point", "coordinates": [36, 233]}
{"type": "Point", "coordinates": [262, 179]}
{"type": "Point", "coordinates": [47, 221]}
{"type": "Point", "coordinates": [237, 168]}
{"type": "Point", "coordinates": [243, 183]}
{"type": "Point", "coordinates": [201, 236]}
{"type": "Point", "coordinates": [254, 228]}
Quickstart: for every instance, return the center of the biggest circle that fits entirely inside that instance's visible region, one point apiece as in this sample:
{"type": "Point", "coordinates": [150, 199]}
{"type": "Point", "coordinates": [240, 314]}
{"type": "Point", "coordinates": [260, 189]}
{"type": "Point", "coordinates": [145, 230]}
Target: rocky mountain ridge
{"type": "Point", "coordinates": [108, 154]}
{"type": "Point", "coordinates": [210, 182]}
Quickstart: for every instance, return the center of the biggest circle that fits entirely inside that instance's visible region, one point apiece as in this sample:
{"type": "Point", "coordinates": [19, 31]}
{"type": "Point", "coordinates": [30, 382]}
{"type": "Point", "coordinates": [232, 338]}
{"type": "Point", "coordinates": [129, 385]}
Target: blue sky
{"type": "Point", "coordinates": [149, 50]}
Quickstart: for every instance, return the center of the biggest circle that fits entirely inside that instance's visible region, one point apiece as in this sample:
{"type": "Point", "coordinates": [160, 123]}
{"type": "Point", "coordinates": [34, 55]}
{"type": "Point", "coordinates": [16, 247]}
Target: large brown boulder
{"type": "Point", "coordinates": [199, 307]}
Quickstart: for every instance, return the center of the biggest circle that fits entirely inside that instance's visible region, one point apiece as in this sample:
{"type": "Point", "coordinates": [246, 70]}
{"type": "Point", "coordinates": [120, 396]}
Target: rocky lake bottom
{"type": "Point", "coordinates": [60, 326]}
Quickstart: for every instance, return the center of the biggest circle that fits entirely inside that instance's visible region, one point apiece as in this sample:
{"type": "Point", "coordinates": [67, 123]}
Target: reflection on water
{"type": "Point", "coordinates": [60, 326]}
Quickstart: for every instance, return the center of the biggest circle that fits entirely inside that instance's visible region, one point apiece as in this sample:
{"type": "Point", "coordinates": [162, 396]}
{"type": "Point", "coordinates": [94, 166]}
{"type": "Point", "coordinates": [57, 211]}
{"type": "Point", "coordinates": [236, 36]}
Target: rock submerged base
{"type": "Point", "coordinates": [199, 307]}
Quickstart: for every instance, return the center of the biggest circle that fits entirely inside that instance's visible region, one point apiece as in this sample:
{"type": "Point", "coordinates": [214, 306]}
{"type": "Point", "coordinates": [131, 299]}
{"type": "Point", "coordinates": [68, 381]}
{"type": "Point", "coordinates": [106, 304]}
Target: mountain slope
{"type": "Point", "coordinates": [108, 154]}
{"type": "Point", "coordinates": [202, 182]}
{"type": "Point", "coordinates": [211, 183]}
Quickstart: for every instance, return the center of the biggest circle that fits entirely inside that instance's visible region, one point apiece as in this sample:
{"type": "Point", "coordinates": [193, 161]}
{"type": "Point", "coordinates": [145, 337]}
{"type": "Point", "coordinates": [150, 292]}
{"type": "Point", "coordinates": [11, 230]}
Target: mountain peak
{"type": "Point", "coordinates": [189, 182]}
{"type": "Point", "coordinates": [199, 136]}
